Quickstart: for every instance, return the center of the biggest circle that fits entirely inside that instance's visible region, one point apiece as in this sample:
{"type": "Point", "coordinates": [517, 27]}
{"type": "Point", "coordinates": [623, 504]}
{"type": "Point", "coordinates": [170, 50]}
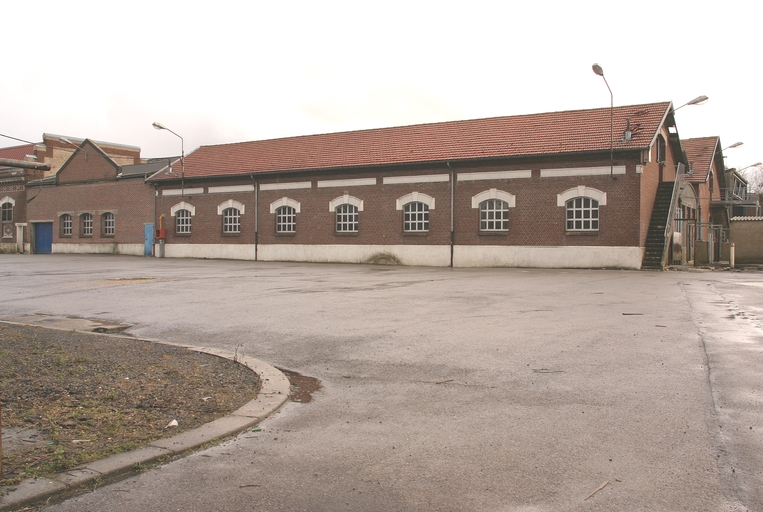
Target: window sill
{"type": "Point", "coordinates": [415, 233]}
{"type": "Point", "coordinates": [345, 233]}
{"type": "Point", "coordinates": [494, 233]}
{"type": "Point", "coordinates": [286, 233]}
{"type": "Point", "coordinates": [581, 233]}
{"type": "Point", "coordinates": [232, 234]}
{"type": "Point", "coordinates": [181, 235]}
{"type": "Point", "coordinates": [108, 236]}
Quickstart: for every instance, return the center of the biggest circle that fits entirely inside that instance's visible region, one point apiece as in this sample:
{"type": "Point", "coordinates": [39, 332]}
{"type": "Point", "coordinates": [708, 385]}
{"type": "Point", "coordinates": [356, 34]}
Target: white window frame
{"type": "Point", "coordinates": [347, 218]}
{"type": "Point", "coordinates": [416, 221]}
{"type": "Point", "coordinates": [286, 219]}
{"type": "Point", "coordinates": [67, 224]}
{"type": "Point", "coordinates": [183, 221]}
{"type": "Point", "coordinates": [587, 206]}
{"type": "Point", "coordinates": [109, 224]}
{"type": "Point", "coordinates": [231, 220]}
{"type": "Point", "coordinates": [86, 224]}
{"type": "Point", "coordinates": [7, 200]}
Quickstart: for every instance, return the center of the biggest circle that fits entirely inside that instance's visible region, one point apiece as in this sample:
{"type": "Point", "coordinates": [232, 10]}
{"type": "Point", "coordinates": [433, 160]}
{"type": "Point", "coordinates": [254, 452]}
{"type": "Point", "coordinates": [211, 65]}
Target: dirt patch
{"type": "Point", "coordinates": [68, 398]}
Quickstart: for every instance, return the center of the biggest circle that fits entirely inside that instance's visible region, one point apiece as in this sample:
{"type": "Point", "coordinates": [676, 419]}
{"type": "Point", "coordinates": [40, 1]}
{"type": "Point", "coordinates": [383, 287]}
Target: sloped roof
{"type": "Point", "coordinates": [700, 152]}
{"type": "Point", "coordinates": [527, 135]}
{"type": "Point", "coordinates": [17, 152]}
{"type": "Point", "coordinates": [156, 164]}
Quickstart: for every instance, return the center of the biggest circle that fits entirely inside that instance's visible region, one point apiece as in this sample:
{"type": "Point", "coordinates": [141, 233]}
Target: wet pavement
{"type": "Point", "coordinates": [446, 389]}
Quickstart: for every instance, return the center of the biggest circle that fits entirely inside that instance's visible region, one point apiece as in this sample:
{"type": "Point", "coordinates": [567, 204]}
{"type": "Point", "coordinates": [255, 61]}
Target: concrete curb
{"type": "Point", "coordinates": [274, 392]}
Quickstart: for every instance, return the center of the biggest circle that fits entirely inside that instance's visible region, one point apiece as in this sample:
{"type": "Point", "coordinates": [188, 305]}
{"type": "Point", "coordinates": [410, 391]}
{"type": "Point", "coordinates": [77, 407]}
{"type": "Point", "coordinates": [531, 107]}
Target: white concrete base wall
{"type": "Point", "coordinates": [547, 257]}
{"type": "Point", "coordinates": [415, 255]}
{"type": "Point", "coordinates": [129, 249]}
{"type": "Point", "coordinates": [421, 255]}
{"type": "Point", "coordinates": [209, 251]}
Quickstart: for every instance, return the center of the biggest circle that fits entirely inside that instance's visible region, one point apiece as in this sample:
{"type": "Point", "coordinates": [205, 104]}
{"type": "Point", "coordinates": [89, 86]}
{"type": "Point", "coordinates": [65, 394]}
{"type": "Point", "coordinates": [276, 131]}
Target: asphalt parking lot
{"type": "Point", "coordinates": [446, 389]}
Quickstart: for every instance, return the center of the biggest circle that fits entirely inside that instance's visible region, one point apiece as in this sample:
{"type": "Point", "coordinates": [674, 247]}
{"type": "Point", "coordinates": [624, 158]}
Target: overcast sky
{"type": "Point", "coordinates": [220, 71]}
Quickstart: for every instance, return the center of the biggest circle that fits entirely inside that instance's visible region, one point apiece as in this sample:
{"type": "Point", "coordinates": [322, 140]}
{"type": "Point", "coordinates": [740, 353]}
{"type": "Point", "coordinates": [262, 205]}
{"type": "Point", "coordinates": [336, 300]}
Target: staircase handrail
{"type": "Point", "coordinates": [680, 177]}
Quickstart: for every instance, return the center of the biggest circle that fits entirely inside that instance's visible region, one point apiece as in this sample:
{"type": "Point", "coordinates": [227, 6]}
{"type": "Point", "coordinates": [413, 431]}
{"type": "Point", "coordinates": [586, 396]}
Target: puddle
{"type": "Point", "coordinates": [302, 388]}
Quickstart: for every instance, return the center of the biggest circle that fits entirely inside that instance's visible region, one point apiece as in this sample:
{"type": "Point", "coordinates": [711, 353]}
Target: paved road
{"type": "Point", "coordinates": [447, 389]}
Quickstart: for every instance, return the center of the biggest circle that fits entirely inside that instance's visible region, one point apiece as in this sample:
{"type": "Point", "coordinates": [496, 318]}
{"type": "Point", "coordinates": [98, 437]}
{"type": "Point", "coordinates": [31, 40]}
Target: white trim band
{"type": "Point", "coordinates": [493, 175]}
{"type": "Point", "coordinates": [286, 186]}
{"type": "Point", "coordinates": [582, 171]}
{"type": "Point", "coordinates": [427, 178]}
{"type": "Point", "coordinates": [359, 182]}
{"type": "Point", "coordinates": [230, 188]}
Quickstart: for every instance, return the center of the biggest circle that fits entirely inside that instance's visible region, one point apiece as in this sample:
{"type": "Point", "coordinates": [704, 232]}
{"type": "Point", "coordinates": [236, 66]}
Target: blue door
{"type": "Point", "coordinates": [149, 239]}
{"type": "Point", "coordinates": [43, 237]}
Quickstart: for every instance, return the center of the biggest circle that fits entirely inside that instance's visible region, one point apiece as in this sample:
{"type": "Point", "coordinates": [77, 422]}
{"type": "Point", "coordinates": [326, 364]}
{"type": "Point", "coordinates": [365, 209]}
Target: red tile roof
{"type": "Point", "coordinates": [699, 154]}
{"type": "Point", "coordinates": [17, 152]}
{"type": "Point", "coordinates": [527, 135]}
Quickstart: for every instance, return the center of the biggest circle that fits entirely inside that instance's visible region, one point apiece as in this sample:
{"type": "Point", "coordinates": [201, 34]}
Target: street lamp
{"type": "Point", "coordinates": [599, 71]}
{"type": "Point", "coordinates": [160, 126]}
{"type": "Point", "coordinates": [699, 100]}
{"type": "Point", "coordinates": [734, 145]}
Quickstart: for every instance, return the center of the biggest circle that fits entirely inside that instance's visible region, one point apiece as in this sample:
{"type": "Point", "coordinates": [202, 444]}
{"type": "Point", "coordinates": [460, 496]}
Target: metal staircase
{"type": "Point", "coordinates": [658, 235]}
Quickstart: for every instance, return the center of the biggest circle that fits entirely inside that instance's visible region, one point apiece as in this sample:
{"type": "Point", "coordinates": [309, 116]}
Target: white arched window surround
{"type": "Point", "coordinates": [8, 199]}
{"type": "Point", "coordinates": [285, 201]}
{"type": "Point", "coordinates": [230, 203]}
{"type": "Point", "coordinates": [346, 199]}
{"type": "Point", "coordinates": [183, 206]}
{"type": "Point", "coordinates": [493, 193]}
{"type": "Point", "coordinates": [581, 191]}
{"type": "Point", "coordinates": [415, 197]}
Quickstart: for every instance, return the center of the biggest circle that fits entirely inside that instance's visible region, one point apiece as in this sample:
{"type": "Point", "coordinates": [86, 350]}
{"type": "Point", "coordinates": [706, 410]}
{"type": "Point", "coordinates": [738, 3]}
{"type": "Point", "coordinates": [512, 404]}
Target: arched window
{"type": "Point", "coordinates": [494, 215]}
{"type": "Point", "coordinates": [582, 214]}
{"type": "Point", "coordinates": [108, 224]}
{"type": "Point", "coordinates": [286, 219]}
{"type": "Point", "coordinates": [66, 224]}
{"type": "Point", "coordinates": [231, 220]}
{"type": "Point", "coordinates": [86, 224]}
{"type": "Point", "coordinates": [7, 209]}
{"type": "Point", "coordinates": [661, 149]}
{"type": "Point", "coordinates": [416, 217]}
{"type": "Point", "coordinates": [183, 221]}
{"type": "Point", "coordinates": [183, 212]}
{"type": "Point", "coordinates": [346, 218]}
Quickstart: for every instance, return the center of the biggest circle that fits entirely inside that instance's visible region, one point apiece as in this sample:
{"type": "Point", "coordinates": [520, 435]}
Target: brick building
{"type": "Point", "coordinates": [13, 180]}
{"type": "Point", "coordinates": [92, 204]}
{"type": "Point", "coordinates": [542, 190]}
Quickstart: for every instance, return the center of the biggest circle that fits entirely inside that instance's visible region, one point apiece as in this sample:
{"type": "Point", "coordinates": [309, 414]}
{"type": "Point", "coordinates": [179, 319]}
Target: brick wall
{"type": "Point", "coordinates": [130, 200]}
{"type": "Point", "coordinates": [535, 221]}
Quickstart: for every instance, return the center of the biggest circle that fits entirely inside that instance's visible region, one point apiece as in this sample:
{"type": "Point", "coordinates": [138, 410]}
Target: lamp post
{"type": "Point", "coordinates": [599, 71]}
{"type": "Point", "coordinates": [160, 126]}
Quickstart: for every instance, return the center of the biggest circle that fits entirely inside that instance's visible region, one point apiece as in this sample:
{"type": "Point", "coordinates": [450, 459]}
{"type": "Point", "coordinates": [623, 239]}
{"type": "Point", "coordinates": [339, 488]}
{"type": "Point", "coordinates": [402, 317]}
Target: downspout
{"type": "Point", "coordinates": [452, 203]}
{"type": "Point", "coordinates": [256, 216]}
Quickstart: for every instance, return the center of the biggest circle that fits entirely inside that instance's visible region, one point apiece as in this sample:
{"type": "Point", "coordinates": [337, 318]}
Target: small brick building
{"type": "Point", "coordinates": [92, 204]}
{"type": "Point", "coordinates": [544, 190]}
